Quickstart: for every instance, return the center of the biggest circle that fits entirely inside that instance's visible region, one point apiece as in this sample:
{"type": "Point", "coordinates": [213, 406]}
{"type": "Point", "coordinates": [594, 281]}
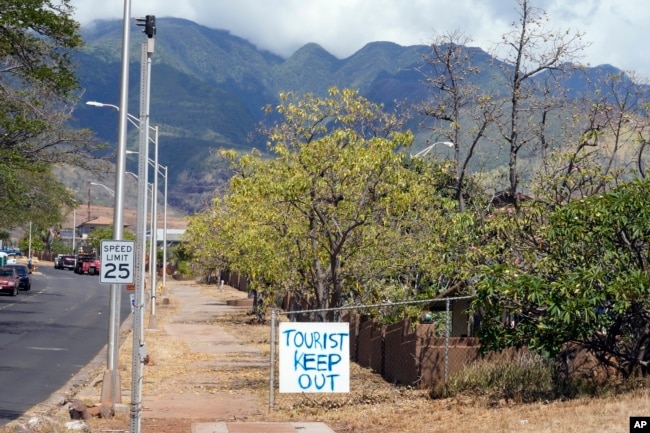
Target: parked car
{"type": "Point", "coordinates": [9, 280]}
{"type": "Point", "coordinates": [57, 261]}
{"type": "Point", "coordinates": [11, 259]}
{"type": "Point", "coordinates": [24, 282]}
{"type": "Point", "coordinates": [10, 250]}
{"type": "Point", "coordinates": [68, 262]}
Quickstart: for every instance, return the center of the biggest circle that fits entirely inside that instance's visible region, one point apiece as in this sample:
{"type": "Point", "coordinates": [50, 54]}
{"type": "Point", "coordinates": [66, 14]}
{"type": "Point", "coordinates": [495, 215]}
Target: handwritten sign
{"type": "Point", "coordinates": [314, 357]}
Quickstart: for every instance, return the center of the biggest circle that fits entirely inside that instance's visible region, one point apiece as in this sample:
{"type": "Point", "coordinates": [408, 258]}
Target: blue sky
{"type": "Point", "coordinates": [615, 29]}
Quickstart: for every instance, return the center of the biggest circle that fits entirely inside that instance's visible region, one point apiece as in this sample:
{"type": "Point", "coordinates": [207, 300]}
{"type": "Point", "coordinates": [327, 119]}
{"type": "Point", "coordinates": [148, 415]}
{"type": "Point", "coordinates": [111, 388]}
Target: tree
{"type": "Point", "coordinates": [462, 110]}
{"type": "Point", "coordinates": [58, 246]}
{"type": "Point", "coordinates": [206, 236]}
{"type": "Point", "coordinates": [588, 288]}
{"type": "Point", "coordinates": [324, 215]}
{"type": "Point", "coordinates": [37, 97]}
{"type": "Point", "coordinates": [528, 50]}
{"type": "Point", "coordinates": [602, 143]}
{"type": "Point", "coordinates": [100, 234]}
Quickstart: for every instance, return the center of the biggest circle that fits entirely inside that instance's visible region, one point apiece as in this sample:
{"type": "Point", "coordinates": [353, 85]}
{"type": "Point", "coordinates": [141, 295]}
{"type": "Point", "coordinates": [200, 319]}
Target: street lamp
{"type": "Point", "coordinates": [152, 222]}
{"type": "Point", "coordinates": [430, 148]}
{"type": "Point", "coordinates": [29, 252]}
{"type": "Point", "coordinates": [159, 172]}
{"type": "Point", "coordinates": [105, 187]}
{"type": "Point", "coordinates": [153, 250]}
{"type": "Point", "coordinates": [130, 117]}
{"type": "Point", "coordinates": [112, 387]}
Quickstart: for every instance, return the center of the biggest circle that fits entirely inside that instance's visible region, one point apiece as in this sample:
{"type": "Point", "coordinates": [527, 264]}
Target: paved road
{"type": "Point", "coordinates": [48, 334]}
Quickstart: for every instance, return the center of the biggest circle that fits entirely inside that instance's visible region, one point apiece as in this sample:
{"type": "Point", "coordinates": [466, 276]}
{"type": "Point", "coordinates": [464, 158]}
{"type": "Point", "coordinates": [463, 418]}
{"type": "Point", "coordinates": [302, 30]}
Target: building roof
{"type": "Point", "coordinates": [173, 235]}
{"type": "Point", "coordinates": [99, 221]}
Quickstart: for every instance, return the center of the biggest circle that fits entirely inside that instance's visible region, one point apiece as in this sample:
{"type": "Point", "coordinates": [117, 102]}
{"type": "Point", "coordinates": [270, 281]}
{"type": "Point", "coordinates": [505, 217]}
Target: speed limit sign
{"type": "Point", "coordinates": [117, 262]}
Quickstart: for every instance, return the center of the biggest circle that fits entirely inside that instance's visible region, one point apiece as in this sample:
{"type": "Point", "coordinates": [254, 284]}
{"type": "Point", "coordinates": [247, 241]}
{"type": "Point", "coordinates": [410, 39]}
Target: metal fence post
{"type": "Point", "coordinates": [276, 345]}
{"type": "Point", "coordinates": [272, 375]}
{"type": "Point", "coordinates": [447, 333]}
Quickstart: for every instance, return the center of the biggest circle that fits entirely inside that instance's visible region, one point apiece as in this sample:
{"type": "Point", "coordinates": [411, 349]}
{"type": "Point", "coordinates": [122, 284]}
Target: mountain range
{"type": "Point", "coordinates": [209, 87]}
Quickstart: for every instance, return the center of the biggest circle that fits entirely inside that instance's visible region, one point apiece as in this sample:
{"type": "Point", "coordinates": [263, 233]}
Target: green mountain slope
{"type": "Point", "coordinates": [209, 87]}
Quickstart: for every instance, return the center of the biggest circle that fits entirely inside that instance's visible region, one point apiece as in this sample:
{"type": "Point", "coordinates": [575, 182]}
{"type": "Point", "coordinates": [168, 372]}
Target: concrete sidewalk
{"type": "Point", "coordinates": [194, 324]}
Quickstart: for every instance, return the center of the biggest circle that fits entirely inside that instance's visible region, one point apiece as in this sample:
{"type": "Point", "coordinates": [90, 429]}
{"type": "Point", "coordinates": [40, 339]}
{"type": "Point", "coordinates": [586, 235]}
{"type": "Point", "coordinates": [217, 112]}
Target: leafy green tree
{"type": "Point", "coordinates": [39, 94]}
{"type": "Point", "coordinates": [5, 236]}
{"type": "Point", "coordinates": [204, 234]}
{"type": "Point", "coordinates": [323, 217]}
{"type": "Point", "coordinates": [100, 234]}
{"type": "Point", "coordinates": [57, 246]}
{"type": "Point", "coordinates": [588, 287]}
{"type": "Point", "coordinates": [37, 245]}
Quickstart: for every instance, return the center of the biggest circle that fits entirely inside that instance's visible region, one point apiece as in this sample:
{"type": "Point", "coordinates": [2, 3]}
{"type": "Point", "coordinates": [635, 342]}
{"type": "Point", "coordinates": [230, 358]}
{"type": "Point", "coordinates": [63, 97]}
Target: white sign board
{"type": "Point", "coordinates": [314, 357]}
{"type": "Point", "coordinates": [117, 262]}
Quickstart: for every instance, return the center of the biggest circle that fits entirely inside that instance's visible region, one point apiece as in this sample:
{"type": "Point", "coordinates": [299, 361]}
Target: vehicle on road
{"type": "Point", "coordinates": [12, 259]}
{"type": "Point", "coordinates": [9, 280]}
{"type": "Point", "coordinates": [58, 261]}
{"type": "Point", "coordinates": [24, 282]}
{"type": "Point", "coordinates": [10, 250]}
{"type": "Point", "coordinates": [87, 261]}
{"type": "Point", "coordinates": [68, 262]}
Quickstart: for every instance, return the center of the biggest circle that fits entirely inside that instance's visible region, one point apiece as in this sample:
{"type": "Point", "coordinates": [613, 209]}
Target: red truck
{"type": "Point", "coordinates": [87, 261]}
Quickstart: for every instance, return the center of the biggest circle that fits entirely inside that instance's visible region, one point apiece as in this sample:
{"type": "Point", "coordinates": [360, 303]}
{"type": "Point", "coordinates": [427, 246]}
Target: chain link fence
{"type": "Point", "coordinates": [417, 344]}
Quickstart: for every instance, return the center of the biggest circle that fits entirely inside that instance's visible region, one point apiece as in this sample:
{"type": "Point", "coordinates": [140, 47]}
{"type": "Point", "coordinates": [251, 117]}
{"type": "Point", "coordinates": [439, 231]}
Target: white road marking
{"type": "Point", "coordinates": [47, 348]}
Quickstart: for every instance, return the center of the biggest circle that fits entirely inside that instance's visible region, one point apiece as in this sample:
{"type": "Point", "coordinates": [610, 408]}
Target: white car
{"type": "Point", "coordinates": [7, 258]}
{"type": "Point", "coordinates": [57, 261]}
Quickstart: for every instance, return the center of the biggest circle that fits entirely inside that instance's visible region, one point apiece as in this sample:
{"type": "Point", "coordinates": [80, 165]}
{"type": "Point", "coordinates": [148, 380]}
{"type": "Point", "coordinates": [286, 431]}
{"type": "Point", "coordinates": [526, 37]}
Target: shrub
{"type": "Point", "coordinates": [526, 379]}
{"type": "Point", "coordinates": [184, 269]}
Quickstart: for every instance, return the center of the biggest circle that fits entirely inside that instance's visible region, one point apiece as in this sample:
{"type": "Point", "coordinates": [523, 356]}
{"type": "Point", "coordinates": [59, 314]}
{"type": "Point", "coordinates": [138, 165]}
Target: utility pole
{"type": "Point", "coordinates": [88, 201]}
{"type": "Point", "coordinates": [153, 239]}
{"type": "Point", "coordinates": [139, 349]}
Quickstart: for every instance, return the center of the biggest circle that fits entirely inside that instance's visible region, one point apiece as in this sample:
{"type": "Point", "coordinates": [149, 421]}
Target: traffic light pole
{"type": "Point", "coordinates": [139, 349]}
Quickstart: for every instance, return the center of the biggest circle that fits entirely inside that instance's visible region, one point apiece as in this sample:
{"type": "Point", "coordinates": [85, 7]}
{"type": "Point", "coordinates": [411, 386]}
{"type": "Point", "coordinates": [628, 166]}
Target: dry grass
{"type": "Point", "coordinates": [372, 406]}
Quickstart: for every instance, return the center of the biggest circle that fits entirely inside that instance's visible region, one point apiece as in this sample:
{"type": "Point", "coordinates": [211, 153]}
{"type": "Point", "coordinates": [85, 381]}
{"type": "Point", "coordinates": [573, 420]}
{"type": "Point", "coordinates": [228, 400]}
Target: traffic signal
{"type": "Point", "coordinates": [149, 24]}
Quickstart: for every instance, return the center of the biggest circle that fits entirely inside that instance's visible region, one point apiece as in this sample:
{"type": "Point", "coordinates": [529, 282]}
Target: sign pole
{"type": "Point", "coordinates": [111, 387]}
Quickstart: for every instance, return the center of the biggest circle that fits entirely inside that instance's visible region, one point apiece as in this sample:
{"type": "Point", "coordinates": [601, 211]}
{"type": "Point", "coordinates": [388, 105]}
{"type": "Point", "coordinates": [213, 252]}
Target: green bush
{"type": "Point", "coordinates": [526, 379]}
{"type": "Point", "coordinates": [184, 269]}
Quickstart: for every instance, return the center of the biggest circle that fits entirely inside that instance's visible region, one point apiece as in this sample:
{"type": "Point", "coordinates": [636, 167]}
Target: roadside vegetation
{"type": "Point", "coordinates": [553, 243]}
{"type": "Point", "coordinates": [40, 91]}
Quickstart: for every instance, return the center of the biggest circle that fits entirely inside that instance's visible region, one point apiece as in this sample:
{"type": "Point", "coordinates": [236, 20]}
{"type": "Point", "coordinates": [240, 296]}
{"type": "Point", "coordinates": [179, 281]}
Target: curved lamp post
{"type": "Point", "coordinates": [112, 193]}
{"type": "Point", "coordinates": [154, 190]}
{"type": "Point", "coordinates": [153, 323]}
{"type": "Point", "coordinates": [430, 148]}
{"type": "Point", "coordinates": [161, 170]}
{"type": "Point", "coordinates": [111, 387]}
